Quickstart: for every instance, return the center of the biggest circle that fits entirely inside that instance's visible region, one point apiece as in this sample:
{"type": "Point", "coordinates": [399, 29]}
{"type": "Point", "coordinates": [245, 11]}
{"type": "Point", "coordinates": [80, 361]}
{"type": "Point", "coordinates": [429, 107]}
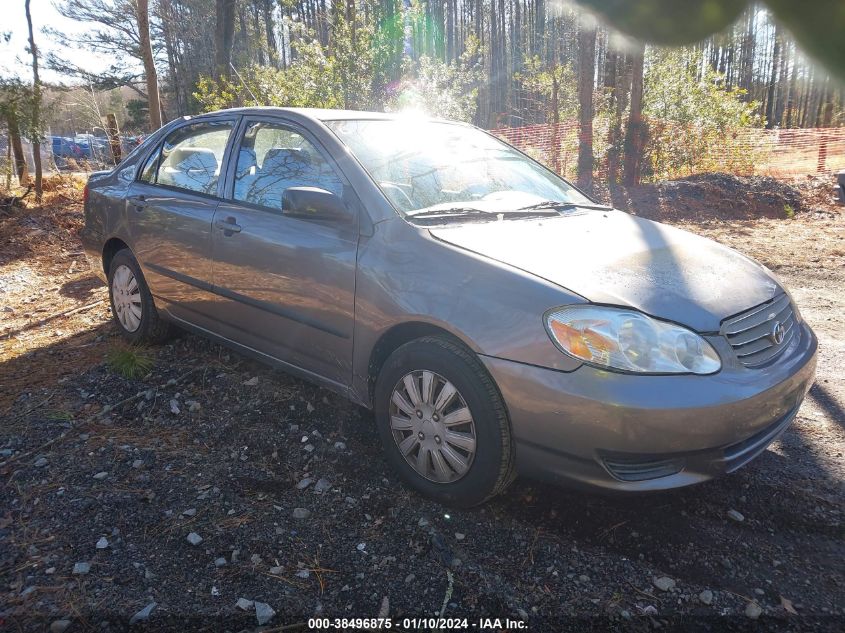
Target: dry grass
{"type": "Point", "coordinates": [43, 277]}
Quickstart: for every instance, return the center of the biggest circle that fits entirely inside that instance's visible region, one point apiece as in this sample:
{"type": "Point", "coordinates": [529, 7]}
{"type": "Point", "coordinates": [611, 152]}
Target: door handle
{"type": "Point", "coordinates": [139, 202]}
{"type": "Point", "coordinates": [228, 226]}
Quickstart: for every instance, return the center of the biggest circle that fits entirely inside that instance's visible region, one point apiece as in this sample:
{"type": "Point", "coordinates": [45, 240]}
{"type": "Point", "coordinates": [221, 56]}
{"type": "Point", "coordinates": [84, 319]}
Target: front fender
{"type": "Point", "coordinates": [405, 275]}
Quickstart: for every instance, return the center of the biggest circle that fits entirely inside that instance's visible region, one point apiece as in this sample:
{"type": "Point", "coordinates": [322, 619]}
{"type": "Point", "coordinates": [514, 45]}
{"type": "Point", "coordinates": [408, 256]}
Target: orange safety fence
{"type": "Point", "coordinates": [674, 151]}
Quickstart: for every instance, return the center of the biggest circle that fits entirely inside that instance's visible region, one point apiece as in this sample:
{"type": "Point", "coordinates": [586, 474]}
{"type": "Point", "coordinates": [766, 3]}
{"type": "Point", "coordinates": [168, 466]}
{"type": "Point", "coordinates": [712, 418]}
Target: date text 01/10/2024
{"type": "Point", "coordinates": [414, 624]}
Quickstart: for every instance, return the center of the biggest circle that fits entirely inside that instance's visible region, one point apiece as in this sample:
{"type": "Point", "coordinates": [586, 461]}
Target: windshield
{"type": "Point", "coordinates": [427, 165]}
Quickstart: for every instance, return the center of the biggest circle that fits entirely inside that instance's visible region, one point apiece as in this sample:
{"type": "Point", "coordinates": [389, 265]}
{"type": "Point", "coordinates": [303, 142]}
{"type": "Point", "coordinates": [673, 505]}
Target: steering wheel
{"type": "Point", "coordinates": [475, 191]}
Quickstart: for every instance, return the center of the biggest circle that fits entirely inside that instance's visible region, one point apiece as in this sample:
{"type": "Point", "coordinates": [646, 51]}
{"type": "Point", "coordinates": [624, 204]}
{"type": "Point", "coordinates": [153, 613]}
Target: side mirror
{"type": "Point", "coordinates": [315, 203]}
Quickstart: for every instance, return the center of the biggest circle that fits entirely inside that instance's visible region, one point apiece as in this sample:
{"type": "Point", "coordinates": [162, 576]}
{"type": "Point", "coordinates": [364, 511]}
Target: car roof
{"type": "Point", "coordinates": [320, 114]}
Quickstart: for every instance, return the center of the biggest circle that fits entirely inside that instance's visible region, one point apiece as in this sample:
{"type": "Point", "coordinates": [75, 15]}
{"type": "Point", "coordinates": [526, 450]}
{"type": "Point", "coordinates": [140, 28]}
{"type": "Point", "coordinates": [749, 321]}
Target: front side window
{"type": "Point", "coordinates": [191, 157]}
{"type": "Point", "coordinates": [272, 158]}
{"type": "Point", "coordinates": [421, 164]}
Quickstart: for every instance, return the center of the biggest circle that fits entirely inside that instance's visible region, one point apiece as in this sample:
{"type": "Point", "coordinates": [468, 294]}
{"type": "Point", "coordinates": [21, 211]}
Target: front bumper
{"type": "Point", "coordinates": [626, 432]}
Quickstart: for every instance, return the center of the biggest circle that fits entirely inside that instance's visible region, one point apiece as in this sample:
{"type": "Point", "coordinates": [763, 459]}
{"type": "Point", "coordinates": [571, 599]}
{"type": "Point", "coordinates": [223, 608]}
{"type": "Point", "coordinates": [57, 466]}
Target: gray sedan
{"type": "Point", "coordinates": [495, 318]}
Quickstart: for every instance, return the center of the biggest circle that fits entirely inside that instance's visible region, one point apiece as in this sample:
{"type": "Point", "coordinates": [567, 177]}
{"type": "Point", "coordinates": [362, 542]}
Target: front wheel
{"type": "Point", "coordinates": [132, 303]}
{"type": "Point", "coordinates": [442, 422]}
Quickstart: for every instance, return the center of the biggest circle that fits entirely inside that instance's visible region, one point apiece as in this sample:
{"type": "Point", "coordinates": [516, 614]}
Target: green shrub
{"type": "Point", "coordinates": [696, 123]}
{"type": "Point", "coordinates": [130, 361]}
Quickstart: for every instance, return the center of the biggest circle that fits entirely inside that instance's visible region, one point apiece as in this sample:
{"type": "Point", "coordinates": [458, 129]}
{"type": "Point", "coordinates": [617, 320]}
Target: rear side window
{"type": "Point", "coordinates": [272, 158]}
{"type": "Point", "coordinates": [190, 158]}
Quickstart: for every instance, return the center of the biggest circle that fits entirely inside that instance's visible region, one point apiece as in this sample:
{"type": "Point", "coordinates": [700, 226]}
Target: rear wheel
{"type": "Point", "coordinates": [131, 302]}
{"type": "Point", "coordinates": [443, 423]}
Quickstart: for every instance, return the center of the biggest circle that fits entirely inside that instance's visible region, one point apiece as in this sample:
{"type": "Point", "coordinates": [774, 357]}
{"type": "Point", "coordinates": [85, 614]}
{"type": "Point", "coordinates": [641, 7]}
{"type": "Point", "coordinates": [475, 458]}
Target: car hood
{"type": "Point", "coordinates": [614, 258]}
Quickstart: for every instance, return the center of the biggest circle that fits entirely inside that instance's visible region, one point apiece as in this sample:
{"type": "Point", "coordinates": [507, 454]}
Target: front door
{"type": "Point", "coordinates": [286, 285]}
{"type": "Point", "coordinates": [171, 209]}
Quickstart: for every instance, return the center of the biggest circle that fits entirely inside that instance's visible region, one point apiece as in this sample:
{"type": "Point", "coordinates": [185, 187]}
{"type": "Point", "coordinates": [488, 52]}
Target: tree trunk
{"type": "Point", "coordinates": [113, 132]}
{"type": "Point", "coordinates": [36, 108]}
{"type": "Point", "coordinates": [805, 101]}
{"type": "Point", "coordinates": [493, 105]}
{"type": "Point", "coordinates": [826, 105]}
{"type": "Point", "coordinates": [555, 123]}
{"type": "Point", "coordinates": [167, 22]}
{"type": "Point", "coordinates": [269, 30]}
{"type": "Point", "coordinates": [586, 74]}
{"type": "Point", "coordinates": [635, 135]}
{"type": "Point", "coordinates": [224, 36]}
{"type": "Point", "coordinates": [539, 27]}
{"type": "Point", "coordinates": [450, 31]}
{"type": "Point", "coordinates": [9, 161]}
{"type": "Point", "coordinates": [748, 45]}
{"type": "Point", "coordinates": [619, 94]}
{"type": "Point", "coordinates": [790, 101]}
{"type": "Point", "coordinates": [17, 148]}
{"type": "Point", "coordinates": [153, 99]}
{"type": "Point", "coordinates": [773, 77]}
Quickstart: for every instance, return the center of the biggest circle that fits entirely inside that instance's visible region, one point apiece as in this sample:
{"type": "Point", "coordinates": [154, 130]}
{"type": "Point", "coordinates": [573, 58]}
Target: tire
{"type": "Point", "coordinates": [148, 327]}
{"type": "Point", "coordinates": [440, 433]}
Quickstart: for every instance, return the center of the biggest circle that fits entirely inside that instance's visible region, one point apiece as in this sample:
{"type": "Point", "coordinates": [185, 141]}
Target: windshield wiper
{"type": "Point", "coordinates": [557, 205]}
{"type": "Point", "coordinates": [463, 212]}
{"type": "Point", "coordinates": [449, 211]}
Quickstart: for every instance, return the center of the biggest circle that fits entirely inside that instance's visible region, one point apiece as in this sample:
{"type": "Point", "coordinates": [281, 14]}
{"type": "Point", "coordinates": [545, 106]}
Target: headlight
{"type": "Point", "coordinates": [629, 341]}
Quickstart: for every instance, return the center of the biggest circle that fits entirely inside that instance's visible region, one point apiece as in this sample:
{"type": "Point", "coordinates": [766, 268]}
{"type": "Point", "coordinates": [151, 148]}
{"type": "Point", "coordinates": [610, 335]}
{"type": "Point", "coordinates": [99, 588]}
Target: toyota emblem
{"type": "Point", "coordinates": [778, 333]}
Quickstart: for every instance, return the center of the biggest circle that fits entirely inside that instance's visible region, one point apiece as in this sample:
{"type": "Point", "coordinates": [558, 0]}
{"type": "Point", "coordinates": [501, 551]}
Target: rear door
{"type": "Point", "coordinates": [171, 209]}
{"type": "Point", "coordinates": [287, 285]}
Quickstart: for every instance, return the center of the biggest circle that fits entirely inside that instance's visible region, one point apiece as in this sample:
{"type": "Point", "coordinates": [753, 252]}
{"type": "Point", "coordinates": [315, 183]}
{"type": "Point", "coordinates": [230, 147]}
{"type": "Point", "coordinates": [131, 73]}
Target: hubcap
{"type": "Point", "coordinates": [432, 426]}
{"type": "Point", "coordinates": [126, 297]}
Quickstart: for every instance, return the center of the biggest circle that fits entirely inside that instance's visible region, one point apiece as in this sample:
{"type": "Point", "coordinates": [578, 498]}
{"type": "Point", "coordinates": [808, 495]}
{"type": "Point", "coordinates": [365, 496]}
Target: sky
{"type": "Point", "coordinates": [14, 56]}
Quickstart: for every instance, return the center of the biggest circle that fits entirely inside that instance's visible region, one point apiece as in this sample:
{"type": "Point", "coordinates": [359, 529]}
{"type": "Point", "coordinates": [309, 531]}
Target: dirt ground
{"type": "Point", "coordinates": [103, 478]}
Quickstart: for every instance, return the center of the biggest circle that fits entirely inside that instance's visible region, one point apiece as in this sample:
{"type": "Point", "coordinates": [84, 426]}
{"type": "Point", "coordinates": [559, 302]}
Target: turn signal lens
{"type": "Point", "coordinates": [630, 341]}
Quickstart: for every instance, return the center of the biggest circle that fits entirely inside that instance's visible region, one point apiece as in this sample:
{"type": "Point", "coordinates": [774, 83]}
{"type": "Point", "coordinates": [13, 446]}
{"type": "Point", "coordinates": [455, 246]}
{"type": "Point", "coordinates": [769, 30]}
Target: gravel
{"type": "Point", "coordinates": [322, 485]}
{"type": "Point", "coordinates": [143, 614]}
{"type": "Point", "coordinates": [263, 613]}
{"type": "Point", "coordinates": [664, 583]}
{"type": "Point", "coordinates": [80, 569]}
{"type": "Point", "coordinates": [301, 513]}
{"type": "Point", "coordinates": [736, 516]}
{"type": "Point", "coordinates": [59, 626]}
{"type": "Point", "coordinates": [194, 538]}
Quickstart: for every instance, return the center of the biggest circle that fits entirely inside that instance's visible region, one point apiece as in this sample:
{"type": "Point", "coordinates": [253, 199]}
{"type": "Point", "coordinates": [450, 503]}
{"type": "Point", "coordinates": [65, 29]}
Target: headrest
{"type": "Point", "coordinates": [279, 157]}
{"type": "Point", "coordinates": [187, 158]}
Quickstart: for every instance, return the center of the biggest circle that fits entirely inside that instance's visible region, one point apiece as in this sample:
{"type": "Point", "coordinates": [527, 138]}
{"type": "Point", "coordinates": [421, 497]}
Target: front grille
{"type": "Point", "coordinates": [753, 334]}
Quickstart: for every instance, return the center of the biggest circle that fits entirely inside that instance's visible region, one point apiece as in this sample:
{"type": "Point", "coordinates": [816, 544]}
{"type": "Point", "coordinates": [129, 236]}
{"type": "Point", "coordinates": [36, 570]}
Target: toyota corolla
{"type": "Point", "coordinates": [495, 318]}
